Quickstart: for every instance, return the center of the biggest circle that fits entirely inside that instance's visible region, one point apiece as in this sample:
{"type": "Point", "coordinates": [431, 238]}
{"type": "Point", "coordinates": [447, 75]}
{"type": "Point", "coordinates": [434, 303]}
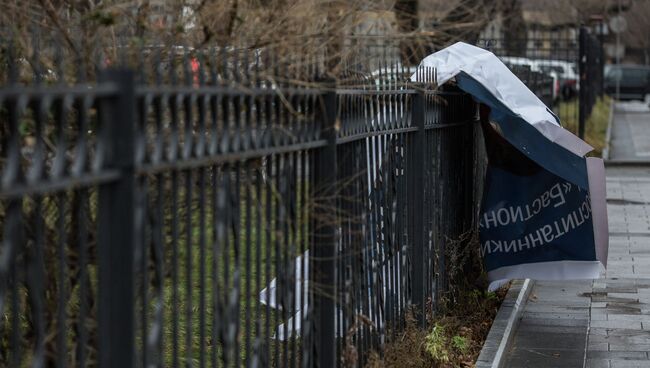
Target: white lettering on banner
{"type": "Point", "coordinates": [587, 210]}
{"type": "Point", "coordinates": [503, 215]}
{"type": "Point", "coordinates": [485, 248]}
{"type": "Point", "coordinates": [528, 214]}
{"type": "Point", "coordinates": [511, 246]}
{"type": "Point", "coordinates": [508, 215]}
{"type": "Point", "coordinates": [498, 247]}
{"type": "Point", "coordinates": [568, 223]}
{"type": "Point", "coordinates": [537, 206]}
{"type": "Point", "coordinates": [516, 214]}
{"type": "Point", "coordinates": [582, 218]}
{"type": "Point", "coordinates": [547, 230]}
{"type": "Point", "coordinates": [521, 245]}
{"type": "Point", "coordinates": [556, 193]}
{"type": "Point", "coordinates": [545, 197]}
{"type": "Point", "coordinates": [557, 229]}
{"type": "Point", "coordinates": [489, 220]}
{"type": "Point", "coordinates": [544, 235]}
{"type": "Point", "coordinates": [534, 240]}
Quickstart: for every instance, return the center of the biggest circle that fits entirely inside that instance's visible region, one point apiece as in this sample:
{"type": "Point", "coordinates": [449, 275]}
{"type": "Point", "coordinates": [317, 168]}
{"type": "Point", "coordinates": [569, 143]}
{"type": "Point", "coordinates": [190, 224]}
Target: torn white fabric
{"type": "Point", "coordinates": [488, 70]}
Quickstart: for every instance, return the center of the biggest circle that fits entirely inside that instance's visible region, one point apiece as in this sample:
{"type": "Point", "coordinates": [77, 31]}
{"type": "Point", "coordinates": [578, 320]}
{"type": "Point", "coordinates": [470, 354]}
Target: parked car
{"type": "Point", "coordinates": [565, 71]}
{"type": "Point", "coordinates": [634, 82]}
{"type": "Point", "coordinates": [534, 66]}
{"type": "Point", "coordinates": [516, 60]}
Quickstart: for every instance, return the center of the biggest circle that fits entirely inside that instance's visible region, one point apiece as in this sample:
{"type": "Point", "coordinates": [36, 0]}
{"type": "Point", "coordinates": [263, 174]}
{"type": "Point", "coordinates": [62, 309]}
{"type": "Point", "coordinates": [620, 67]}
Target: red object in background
{"type": "Point", "coordinates": [194, 64]}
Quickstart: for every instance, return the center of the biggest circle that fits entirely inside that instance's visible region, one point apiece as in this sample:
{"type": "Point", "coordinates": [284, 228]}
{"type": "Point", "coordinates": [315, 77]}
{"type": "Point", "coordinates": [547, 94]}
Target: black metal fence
{"type": "Point", "coordinates": [209, 213]}
{"type": "Point", "coordinates": [230, 219]}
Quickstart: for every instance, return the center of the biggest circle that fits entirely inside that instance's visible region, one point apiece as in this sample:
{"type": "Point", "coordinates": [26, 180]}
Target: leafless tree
{"type": "Point", "coordinates": [637, 35]}
{"type": "Point", "coordinates": [300, 27]}
{"type": "Point", "coordinates": [514, 27]}
{"type": "Point", "coordinates": [434, 24]}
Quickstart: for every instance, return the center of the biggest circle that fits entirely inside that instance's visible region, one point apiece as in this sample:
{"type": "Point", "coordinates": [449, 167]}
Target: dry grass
{"type": "Point", "coordinates": [459, 326]}
{"type": "Point", "coordinates": [469, 320]}
{"type": "Point", "coordinates": [595, 127]}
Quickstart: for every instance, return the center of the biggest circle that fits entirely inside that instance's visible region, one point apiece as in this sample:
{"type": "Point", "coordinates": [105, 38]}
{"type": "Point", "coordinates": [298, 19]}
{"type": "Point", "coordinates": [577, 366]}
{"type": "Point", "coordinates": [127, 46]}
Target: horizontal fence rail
{"type": "Point", "coordinates": [217, 217]}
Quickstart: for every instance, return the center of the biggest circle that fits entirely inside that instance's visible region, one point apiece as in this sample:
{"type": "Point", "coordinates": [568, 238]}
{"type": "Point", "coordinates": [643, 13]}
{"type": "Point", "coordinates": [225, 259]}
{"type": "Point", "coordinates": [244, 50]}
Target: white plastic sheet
{"type": "Point", "coordinates": [488, 70]}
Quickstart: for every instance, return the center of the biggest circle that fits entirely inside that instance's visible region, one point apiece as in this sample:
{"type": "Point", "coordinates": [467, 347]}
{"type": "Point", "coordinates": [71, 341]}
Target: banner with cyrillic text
{"type": "Point", "coordinates": [546, 219]}
{"type": "Point", "coordinates": [533, 223]}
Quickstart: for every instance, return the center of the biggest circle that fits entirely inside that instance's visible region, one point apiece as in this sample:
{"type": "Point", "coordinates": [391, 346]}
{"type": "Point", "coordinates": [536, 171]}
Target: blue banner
{"type": "Point", "coordinates": [543, 213]}
{"type": "Point", "coordinates": [536, 217]}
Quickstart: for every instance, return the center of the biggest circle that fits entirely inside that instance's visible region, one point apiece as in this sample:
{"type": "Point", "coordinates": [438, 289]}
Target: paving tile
{"type": "Point", "coordinates": [617, 324]}
{"type": "Point", "coordinates": [597, 363]}
{"type": "Point", "coordinates": [550, 340]}
{"type": "Point", "coordinates": [595, 331]}
{"type": "Point", "coordinates": [545, 358]}
{"type": "Point", "coordinates": [599, 315]}
{"type": "Point", "coordinates": [625, 355]}
{"type": "Point", "coordinates": [629, 347]}
{"type": "Point", "coordinates": [597, 346]}
{"type": "Point", "coordinates": [581, 323]}
{"type": "Point", "coordinates": [629, 364]}
{"type": "Point", "coordinates": [624, 308]}
{"type": "Point", "coordinates": [628, 332]}
{"type": "Point", "coordinates": [545, 308]}
{"type": "Point", "coordinates": [624, 294]}
{"type": "Point", "coordinates": [628, 317]}
{"type": "Point", "coordinates": [598, 339]}
{"type": "Point", "coordinates": [525, 326]}
{"type": "Point", "coordinates": [556, 316]}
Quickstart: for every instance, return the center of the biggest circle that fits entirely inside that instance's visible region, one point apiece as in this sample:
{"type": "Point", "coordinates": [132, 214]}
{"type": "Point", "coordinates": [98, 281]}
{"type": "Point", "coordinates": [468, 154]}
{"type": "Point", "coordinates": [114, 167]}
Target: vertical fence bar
{"type": "Point", "coordinates": [116, 235]}
{"type": "Point", "coordinates": [601, 57]}
{"type": "Point", "coordinates": [415, 183]}
{"type": "Point", "coordinates": [323, 266]}
{"type": "Point", "coordinates": [582, 93]}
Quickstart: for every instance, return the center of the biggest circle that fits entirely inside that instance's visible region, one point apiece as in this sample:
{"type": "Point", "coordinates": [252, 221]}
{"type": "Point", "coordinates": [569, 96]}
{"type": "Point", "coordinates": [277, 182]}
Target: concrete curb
{"type": "Point", "coordinates": [627, 163]}
{"type": "Point", "coordinates": [608, 134]}
{"type": "Point", "coordinates": [505, 325]}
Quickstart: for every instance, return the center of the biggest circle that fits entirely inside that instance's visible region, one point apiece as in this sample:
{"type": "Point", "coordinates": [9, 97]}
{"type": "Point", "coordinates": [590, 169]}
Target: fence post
{"type": "Point", "coordinates": [323, 259]}
{"type": "Point", "coordinates": [601, 65]}
{"type": "Point", "coordinates": [582, 93]}
{"type": "Point", "coordinates": [415, 185]}
{"type": "Point", "coordinates": [116, 240]}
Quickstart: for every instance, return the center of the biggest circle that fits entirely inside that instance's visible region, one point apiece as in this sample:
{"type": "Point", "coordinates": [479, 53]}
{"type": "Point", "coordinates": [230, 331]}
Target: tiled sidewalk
{"type": "Point", "coordinates": [609, 316]}
{"type": "Point", "coordinates": [619, 334]}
